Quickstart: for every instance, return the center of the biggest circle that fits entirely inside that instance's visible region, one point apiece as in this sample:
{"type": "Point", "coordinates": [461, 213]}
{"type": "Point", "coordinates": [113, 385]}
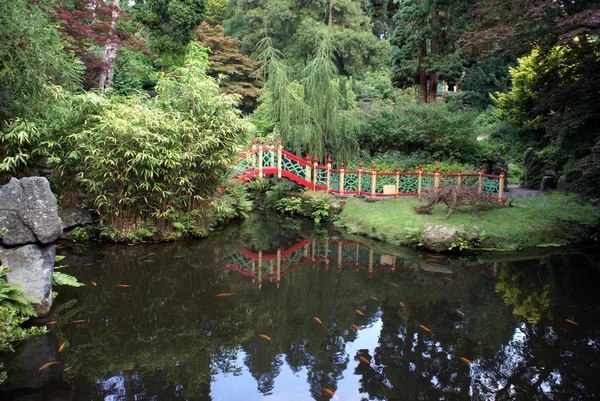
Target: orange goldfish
{"type": "Point", "coordinates": [461, 313]}
{"type": "Point", "coordinates": [465, 360]}
{"type": "Point", "coordinates": [265, 337]}
{"type": "Point", "coordinates": [93, 283]}
{"type": "Point", "coordinates": [364, 360]}
{"type": "Point", "coordinates": [52, 322]}
{"type": "Point", "coordinates": [330, 393]}
{"type": "Point", "coordinates": [44, 366]}
{"type": "Point", "coordinates": [355, 327]}
{"type": "Point", "coordinates": [316, 319]}
{"type": "Point", "coordinates": [447, 279]}
{"type": "Point", "coordinates": [224, 294]}
{"type": "Point", "coordinates": [66, 369]}
{"type": "Point", "coordinates": [61, 348]}
{"type": "Point", "coordinates": [359, 312]}
{"type": "Point", "coordinates": [373, 298]}
{"type": "Point", "coordinates": [79, 321]}
{"type": "Point", "coordinates": [402, 304]}
{"type": "Point", "coordinates": [572, 322]}
{"type": "Point", "coordinates": [395, 285]}
{"type": "Point", "coordinates": [123, 285]}
{"type": "Point", "coordinates": [425, 328]}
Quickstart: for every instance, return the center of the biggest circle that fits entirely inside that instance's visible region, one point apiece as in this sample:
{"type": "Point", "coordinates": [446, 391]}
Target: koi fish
{"type": "Point", "coordinates": [364, 360]}
{"type": "Point", "coordinates": [395, 285]}
{"type": "Point", "coordinates": [572, 322]}
{"type": "Point", "coordinates": [224, 294]}
{"type": "Point", "coordinates": [425, 328]}
{"type": "Point", "coordinates": [79, 321]}
{"type": "Point", "coordinates": [330, 393]}
{"type": "Point", "coordinates": [461, 313]}
{"type": "Point", "coordinates": [447, 279]}
{"type": "Point", "coordinates": [355, 327]}
{"type": "Point", "coordinates": [265, 337]}
{"type": "Point", "coordinates": [61, 348]}
{"type": "Point", "coordinates": [359, 312]}
{"type": "Point", "coordinates": [465, 360]}
{"type": "Point", "coordinates": [316, 319]}
{"type": "Point", "coordinates": [65, 369]}
{"type": "Point", "coordinates": [373, 298]}
{"type": "Point", "coordinates": [123, 285]}
{"type": "Point", "coordinates": [93, 283]}
{"type": "Point", "coordinates": [44, 366]}
{"type": "Point", "coordinates": [402, 304]}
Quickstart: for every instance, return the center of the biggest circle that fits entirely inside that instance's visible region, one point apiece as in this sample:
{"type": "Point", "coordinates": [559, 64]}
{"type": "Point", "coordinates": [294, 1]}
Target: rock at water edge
{"type": "Point", "coordinates": [32, 266]}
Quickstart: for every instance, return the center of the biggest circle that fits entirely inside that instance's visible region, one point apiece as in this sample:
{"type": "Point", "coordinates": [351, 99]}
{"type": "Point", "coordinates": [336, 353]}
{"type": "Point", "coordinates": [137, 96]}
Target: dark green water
{"type": "Point", "coordinates": [456, 328]}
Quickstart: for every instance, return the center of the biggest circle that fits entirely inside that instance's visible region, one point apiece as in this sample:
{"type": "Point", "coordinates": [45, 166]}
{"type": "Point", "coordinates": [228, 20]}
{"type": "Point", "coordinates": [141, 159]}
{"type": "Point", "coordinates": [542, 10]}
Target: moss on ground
{"type": "Point", "coordinates": [555, 219]}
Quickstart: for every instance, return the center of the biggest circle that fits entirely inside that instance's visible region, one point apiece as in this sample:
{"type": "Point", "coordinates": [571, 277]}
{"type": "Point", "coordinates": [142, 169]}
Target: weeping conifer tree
{"type": "Point", "coordinates": [310, 115]}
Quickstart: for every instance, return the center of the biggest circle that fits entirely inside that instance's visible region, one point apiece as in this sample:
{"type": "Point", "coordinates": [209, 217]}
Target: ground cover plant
{"type": "Point", "coordinates": [535, 221]}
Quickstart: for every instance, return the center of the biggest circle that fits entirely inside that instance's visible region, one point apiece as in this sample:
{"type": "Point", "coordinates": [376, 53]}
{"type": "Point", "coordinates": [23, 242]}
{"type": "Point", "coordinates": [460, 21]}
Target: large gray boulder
{"type": "Point", "coordinates": [529, 164]}
{"type": "Point", "coordinates": [441, 237]}
{"type": "Point", "coordinates": [29, 211]}
{"type": "Point", "coordinates": [32, 266]}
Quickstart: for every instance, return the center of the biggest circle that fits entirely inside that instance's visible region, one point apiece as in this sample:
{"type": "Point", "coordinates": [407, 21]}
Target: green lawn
{"type": "Point", "coordinates": [555, 219]}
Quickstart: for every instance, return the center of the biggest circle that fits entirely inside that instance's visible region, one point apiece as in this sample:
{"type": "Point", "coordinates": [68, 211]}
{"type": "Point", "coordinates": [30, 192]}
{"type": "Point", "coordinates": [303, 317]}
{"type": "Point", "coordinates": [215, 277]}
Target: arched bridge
{"type": "Point", "coordinates": [272, 160]}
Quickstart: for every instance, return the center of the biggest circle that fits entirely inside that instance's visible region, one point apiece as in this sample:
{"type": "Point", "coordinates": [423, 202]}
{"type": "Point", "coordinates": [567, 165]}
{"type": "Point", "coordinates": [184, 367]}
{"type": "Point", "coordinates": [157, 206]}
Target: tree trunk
{"type": "Point", "coordinates": [435, 50]}
{"type": "Point", "coordinates": [330, 12]}
{"type": "Point", "coordinates": [110, 50]}
{"type": "Point", "coordinates": [422, 74]}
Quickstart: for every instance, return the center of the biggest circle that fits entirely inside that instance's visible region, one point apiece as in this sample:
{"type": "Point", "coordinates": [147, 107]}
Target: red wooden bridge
{"type": "Point", "coordinates": [272, 160]}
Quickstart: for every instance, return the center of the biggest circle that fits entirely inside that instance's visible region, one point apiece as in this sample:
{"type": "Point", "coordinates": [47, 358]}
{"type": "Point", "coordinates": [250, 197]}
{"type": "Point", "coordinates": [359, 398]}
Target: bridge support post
{"type": "Point", "coordinates": [420, 186]}
{"type": "Point", "coordinates": [328, 173]}
{"type": "Point", "coordinates": [315, 173]}
{"type": "Point", "coordinates": [339, 259]}
{"type": "Point", "coordinates": [436, 182]}
{"type": "Point", "coordinates": [341, 179]}
{"type": "Point", "coordinates": [253, 152]}
{"type": "Point", "coordinates": [278, 278]}
{"type": "Point", "coordinates": [459, 178]}
{"type": "Point", "coordinates": [279, 158]}
{"type": "Point", "coordinates": [501, 189]}
{"type": "Point", "coordinates": [397, 183]}
{"type": "Point", "coordinates": [307, 170]}
{"type": "Point", "coordinates": [260, 159]}
{"type": "Point", "coordinates": [272, 150]}
{"type": "Point", "coordinates": [373, 180]}
{"type": "Point", "coordinates": [480, 178]}
{"type": "Point", "coordinates": [360, 170]}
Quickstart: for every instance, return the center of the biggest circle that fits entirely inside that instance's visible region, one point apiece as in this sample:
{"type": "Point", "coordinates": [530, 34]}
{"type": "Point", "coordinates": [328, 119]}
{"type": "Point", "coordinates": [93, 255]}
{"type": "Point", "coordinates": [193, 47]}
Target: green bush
{"type": "Point", "coordinates": [441, 129]}
{"type": "Point", "coordinates": [145, 161]}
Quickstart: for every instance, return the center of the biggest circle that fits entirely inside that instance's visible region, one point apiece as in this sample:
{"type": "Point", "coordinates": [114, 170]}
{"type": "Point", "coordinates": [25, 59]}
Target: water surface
{"type": "Point", "coordinates": [276, 309]}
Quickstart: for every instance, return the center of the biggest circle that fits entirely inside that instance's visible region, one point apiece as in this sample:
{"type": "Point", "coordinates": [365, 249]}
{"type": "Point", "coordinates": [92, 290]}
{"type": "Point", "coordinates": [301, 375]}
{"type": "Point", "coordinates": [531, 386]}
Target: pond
{"type": "Point", "coordinates": [277, 309]}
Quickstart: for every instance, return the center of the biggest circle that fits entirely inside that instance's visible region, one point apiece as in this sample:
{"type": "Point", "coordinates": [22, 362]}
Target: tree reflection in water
{"type": "Point", "coordinates": [169, 337]}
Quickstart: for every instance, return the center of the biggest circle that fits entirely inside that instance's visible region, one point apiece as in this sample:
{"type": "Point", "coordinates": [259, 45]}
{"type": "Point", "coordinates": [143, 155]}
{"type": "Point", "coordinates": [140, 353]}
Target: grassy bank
{"type": "Point", "coordinates": [551, 220]}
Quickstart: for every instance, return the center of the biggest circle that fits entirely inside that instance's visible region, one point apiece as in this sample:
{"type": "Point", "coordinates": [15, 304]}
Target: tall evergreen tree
{"type": "Point", "coordinates": [423, 43]}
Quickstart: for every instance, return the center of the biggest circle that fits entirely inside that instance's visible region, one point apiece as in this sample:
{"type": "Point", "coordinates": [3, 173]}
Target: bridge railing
{"type": "Point", "coordinates": [273, 159]}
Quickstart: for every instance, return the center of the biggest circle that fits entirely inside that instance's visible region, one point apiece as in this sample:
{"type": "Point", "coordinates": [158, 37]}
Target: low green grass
{"type": "Point", "coordinates": [550, 220]}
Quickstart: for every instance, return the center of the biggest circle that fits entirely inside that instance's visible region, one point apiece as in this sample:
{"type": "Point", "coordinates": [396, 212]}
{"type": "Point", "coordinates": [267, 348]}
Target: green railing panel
{"type": "Point", "coordinates": [409, 184]}
{"type": "Point", "coordinates": [427, 181]}
{"type": "Point", "coordinates": [350, 181]}
{"type": "Point", "coordinates": [293, 166]}
{"type": "Point", "coordinates": [321, 177]}
{"type": "Point", "coordinates": [385, 180]}
{"type": "Point", "coordinates": [267, 156]}
{"type": "Point", "coordinates": [366, 183]}
{"type": "Point", "coordinates": [491, 186]}
{"type": "Point", "coordinates": [334, 180]}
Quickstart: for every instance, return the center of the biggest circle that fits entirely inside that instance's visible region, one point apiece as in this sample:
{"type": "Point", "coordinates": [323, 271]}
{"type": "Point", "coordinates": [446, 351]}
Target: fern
{"type": "Point", "coordinates": [59, 278]}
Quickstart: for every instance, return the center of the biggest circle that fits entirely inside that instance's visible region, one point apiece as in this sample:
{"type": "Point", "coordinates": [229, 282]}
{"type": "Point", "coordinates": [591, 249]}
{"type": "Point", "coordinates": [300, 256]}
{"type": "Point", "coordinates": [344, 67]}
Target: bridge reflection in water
{"type": "Point", "coordinates": [261, 265]}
